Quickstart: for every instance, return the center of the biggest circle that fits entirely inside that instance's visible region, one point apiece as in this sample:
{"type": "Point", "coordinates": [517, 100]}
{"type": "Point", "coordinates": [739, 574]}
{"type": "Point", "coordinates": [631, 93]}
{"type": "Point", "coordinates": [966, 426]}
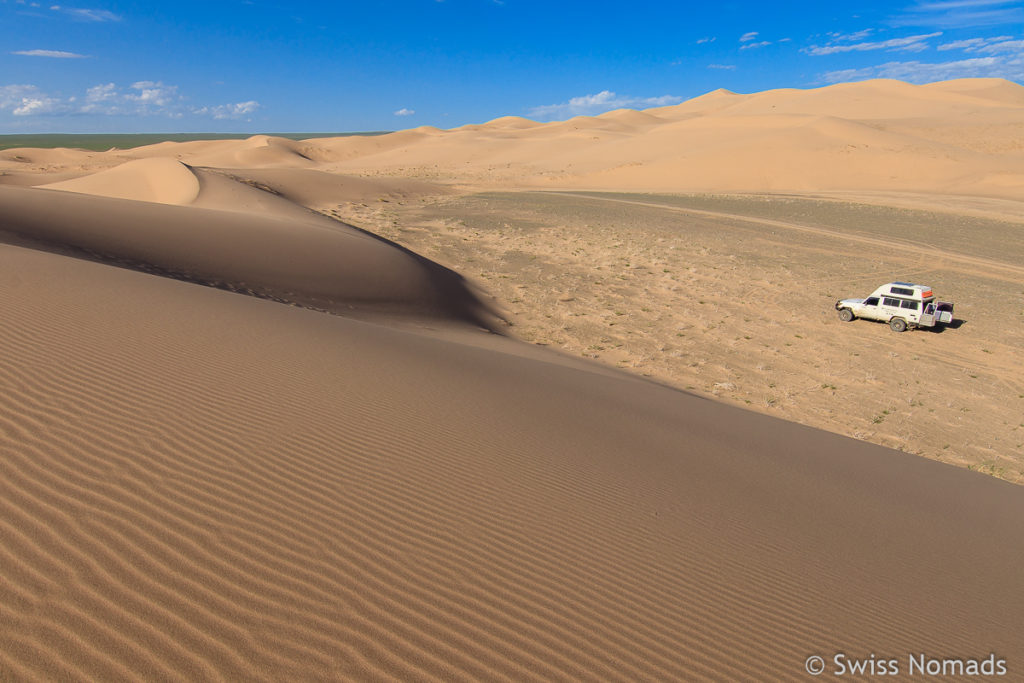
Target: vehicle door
{"type": "Point", "coordinates": [928, 314]}
{"type": "Point", "coordinates": [944, 312]}
{"type": "Point", "coordinates": [890, 308]}
{"type": "Point", "coordinates": [869, 309]}
{"type": "Point", "coordinates": [911, 310]}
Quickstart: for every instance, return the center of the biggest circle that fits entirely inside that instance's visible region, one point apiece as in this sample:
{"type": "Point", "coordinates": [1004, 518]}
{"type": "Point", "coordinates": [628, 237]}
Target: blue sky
{"type": "Point", "coordinates": [270, 65]}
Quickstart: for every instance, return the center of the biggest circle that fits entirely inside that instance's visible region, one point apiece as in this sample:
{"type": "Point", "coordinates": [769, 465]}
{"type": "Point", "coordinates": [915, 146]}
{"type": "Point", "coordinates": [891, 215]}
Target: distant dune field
{"type": "Point", "coordinates": [961, 137]}
{"type": "Point", "coordinates": [268, 412]}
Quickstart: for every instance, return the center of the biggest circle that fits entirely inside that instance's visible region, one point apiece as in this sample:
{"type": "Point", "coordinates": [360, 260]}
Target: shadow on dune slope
{"type": "Point", "coordinates": [315, 263]}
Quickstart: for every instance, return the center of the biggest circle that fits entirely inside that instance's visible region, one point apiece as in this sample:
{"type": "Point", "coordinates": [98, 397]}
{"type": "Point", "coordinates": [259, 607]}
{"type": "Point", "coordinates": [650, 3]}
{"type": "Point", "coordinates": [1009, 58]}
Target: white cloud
{"type": "Point", "coordinates": [701, 41]}
{"type": "Point", "coordinates": [945, 5]}
{"type": "Point", "coordinates": [242, 108]}
{"type": "Point", "coordinates": [1011, 68]}
{"type": "Point", "coordinates": [909, 43]}
{"type": "Point", "coordinates": [143, 98]}
{"type": "Point", "coordinates": [236, 111]}
{"type": "Point", "coordinates": [405, 112]}
{"type": "Point", "coordinates": [961, 13]}
{"type": "Point", "coordinates": [26, 100]}
{"type": "Point", "coordinates": [599, 103]}
{"type": "Point", "coordinates": [972, 44]}
{"type": "Point", "coordinates": [153, 94]}
{"type": "Point", "coordinates": [849, 37]}
{"type": "Point", "coordinates": [748, 36]}
{"type": "Point", "coordinates": [1005, 46]}
{"type": "Point", "coordinates": [724, 67]}
{"type": "Point", "coordinates": [98, 15]}
{"type": "Point", "coordinates": [35, 105]}
{"type": "Point", "coordinates": [749, 46]}
{"type": "Point", "coordinates": [101, 93]}
{"type": "Point", "coordinates": [56, 54]}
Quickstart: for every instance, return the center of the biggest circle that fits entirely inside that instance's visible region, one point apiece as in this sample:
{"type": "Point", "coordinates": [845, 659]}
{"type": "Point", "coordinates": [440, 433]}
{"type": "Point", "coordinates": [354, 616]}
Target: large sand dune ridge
{"type": "Point", "coordinates": [374, 503]}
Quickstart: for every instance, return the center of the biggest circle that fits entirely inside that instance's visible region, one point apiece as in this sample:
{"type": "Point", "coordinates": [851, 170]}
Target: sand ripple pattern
{"type": "Point", "coordinates": [204, 486]}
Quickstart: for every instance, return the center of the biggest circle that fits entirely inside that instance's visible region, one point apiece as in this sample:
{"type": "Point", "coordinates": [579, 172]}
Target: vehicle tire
{"type": "Point", "coordinates": [898, 324]}
{"type": "Point", "coordinates": [845, 314]}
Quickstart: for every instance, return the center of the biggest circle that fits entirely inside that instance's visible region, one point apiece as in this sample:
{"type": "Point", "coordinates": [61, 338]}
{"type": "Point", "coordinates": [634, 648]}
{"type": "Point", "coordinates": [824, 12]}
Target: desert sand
{"type": "Point", "coordinates": [518, 400]}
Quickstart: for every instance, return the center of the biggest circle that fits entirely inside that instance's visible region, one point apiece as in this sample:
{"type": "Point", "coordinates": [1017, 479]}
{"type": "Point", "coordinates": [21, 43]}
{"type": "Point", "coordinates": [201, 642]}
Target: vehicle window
{"type": "Point", "coordinates": [909, 304]}
{"type": "Point", "coordinates": [889, 301]}
{"type": "Point", "coordinates": [902, 290]}
{"type": "Point", "coordinates": [871, 301]}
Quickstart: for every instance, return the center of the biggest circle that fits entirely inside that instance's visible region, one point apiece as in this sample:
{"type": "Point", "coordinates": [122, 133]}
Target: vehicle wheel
{"type": "Point", "coordinates": [898, 324]}
{"type": "Point", "coordinates": [845, 314]}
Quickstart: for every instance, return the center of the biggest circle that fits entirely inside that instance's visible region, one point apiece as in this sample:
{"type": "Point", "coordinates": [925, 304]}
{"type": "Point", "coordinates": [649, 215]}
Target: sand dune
{"type": "Point", "coordinates": [963, 137]}
{"type": "Point", "coordinates": [881, 135]}
{"type": "Point", "coordinates": [16, 159]}
{"type": "Point", "coordinates": [779, 153]}
{"type": "Point", "coordinates": [207, 485]}
{"type": "Point", "coordinates": [241, 440]}
{"type": "Point", "coordinates": [880, 99]}
{"type": "Point", "coordinates": [160, 180]}
{"type": "Point", "coordinates": [515, 122]}
{"type": "Point", "coordinates": [312, 187]}
{"type": "Point", "coordinates": [632, 117]}
{"type": "Point", "coordinates": [257, 152]}
{"type": "Point", "coordinates": [317, 263]}
{"type": "Point", "coordinates": [995, 89]}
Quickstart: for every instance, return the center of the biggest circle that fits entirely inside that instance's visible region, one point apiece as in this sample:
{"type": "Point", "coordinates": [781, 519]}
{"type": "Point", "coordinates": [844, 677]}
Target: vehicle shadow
{"type": "Point", "coordinates": [955, 325]}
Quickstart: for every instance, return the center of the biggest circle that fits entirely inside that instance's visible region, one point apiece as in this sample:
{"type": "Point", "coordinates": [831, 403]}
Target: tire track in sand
{"type": "Point", "coordinates": [975, 265]}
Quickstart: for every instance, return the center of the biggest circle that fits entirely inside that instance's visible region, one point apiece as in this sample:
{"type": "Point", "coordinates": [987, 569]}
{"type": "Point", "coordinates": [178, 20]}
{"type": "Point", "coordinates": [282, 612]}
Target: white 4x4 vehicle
{"type": "Point", "coordinates": [901, 304]}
